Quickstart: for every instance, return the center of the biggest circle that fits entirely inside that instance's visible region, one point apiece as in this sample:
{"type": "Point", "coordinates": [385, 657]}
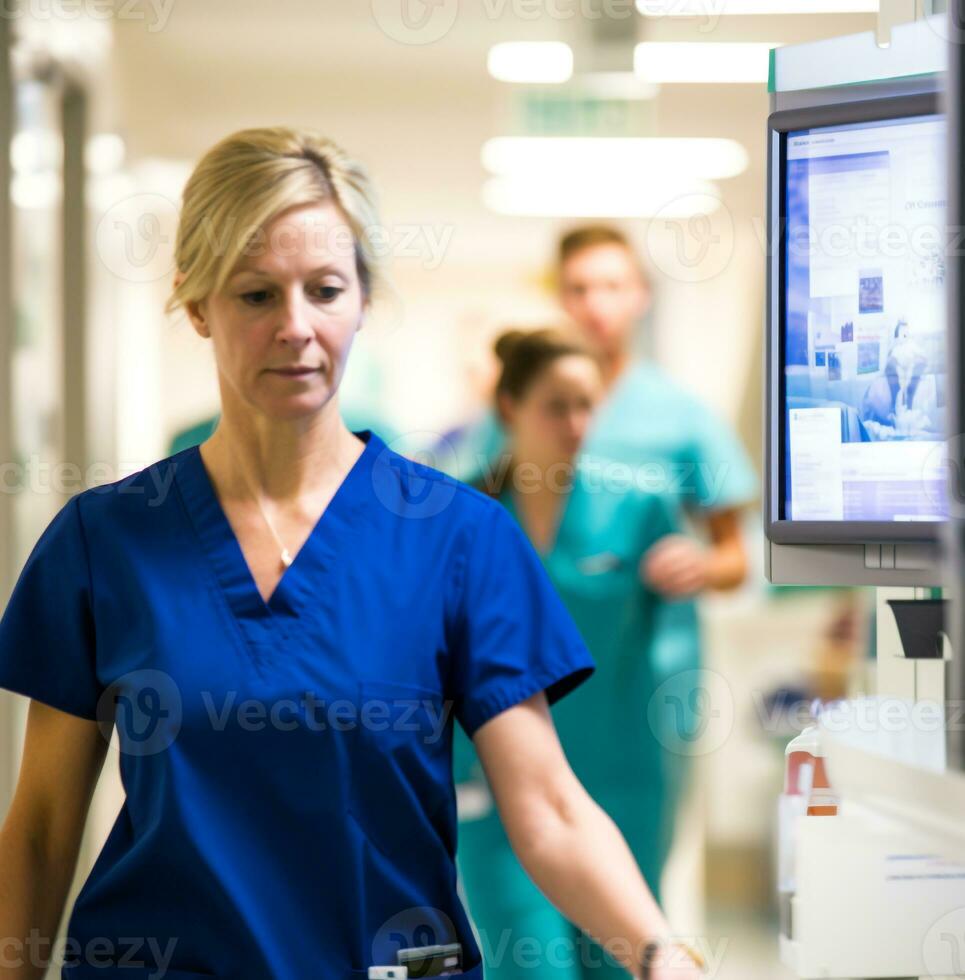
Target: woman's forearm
{"type": "Point", "coordinates": [33, 891]}
{"type": "Point", "coordinates": [579, 859]}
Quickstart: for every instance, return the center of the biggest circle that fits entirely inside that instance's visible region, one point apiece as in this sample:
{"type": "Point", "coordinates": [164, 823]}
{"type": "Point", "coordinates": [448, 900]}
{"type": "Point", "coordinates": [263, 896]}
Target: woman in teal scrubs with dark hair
{"type": "Point", "coordinates": [652, 424]}
{"type": "Point", "coordinates": [595, 531]}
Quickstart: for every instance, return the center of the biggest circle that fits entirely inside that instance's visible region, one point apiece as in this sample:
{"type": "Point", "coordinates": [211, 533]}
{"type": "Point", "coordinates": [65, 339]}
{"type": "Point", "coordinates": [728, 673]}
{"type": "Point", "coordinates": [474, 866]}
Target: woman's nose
{"type": "Point", "coordinates": [295, 321]}
{"type": "Point", "coordinates": [578, 423]}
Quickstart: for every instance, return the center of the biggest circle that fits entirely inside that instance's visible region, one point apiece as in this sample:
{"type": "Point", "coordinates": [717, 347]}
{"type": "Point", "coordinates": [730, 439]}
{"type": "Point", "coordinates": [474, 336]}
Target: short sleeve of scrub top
{"type": "Point", "coordinates": [289, 808]}
{"type": "Point", "coordinates": [724, 476]}
{"type": "Point", "coordinates": [516, 638]}
{"type": "Point", "coordinates": [47, 643]}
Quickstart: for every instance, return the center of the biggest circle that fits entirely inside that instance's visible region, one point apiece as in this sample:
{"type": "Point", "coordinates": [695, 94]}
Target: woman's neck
{"type": "Point", "coordinates": [540, 501]}
{"type": "Point", "coordinates": [284, 460]}
{"type": "Point", "coordinates": [544, 480]}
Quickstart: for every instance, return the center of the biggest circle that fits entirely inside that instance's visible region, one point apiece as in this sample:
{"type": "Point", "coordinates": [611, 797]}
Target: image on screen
{"type": "Point", "coordinates": [864, 322]}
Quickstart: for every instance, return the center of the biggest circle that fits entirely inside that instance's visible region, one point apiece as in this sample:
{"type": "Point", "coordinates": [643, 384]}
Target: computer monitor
{"type": "Point", "coordinates": [856, 355]}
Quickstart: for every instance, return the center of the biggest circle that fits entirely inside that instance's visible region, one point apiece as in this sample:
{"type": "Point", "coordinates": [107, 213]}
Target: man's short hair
{"type": "Point", "coordinates": [590, 236]}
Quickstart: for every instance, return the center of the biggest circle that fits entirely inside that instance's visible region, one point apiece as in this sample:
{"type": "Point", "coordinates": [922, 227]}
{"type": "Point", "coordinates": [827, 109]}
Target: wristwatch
{"type": "Point", "coordinates": [653, 949]}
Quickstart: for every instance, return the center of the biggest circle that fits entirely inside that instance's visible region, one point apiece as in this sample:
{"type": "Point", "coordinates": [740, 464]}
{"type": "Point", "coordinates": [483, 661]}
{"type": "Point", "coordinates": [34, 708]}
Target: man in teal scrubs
{"type": "Point", "coordinates": [685, 455]}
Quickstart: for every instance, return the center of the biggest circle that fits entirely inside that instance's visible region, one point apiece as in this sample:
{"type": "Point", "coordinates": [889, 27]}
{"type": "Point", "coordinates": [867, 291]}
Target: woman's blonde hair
{"type": "Point", "coordinates": [246, 180]}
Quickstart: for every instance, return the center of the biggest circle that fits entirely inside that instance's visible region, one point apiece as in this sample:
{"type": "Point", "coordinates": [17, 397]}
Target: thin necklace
{"type": "Point", "coordinates": [286, 555]}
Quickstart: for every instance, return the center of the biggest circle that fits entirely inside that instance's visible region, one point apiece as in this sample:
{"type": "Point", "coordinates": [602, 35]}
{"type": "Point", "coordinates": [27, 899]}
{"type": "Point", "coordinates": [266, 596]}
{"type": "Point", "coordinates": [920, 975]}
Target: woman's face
{"type": "Point", "coordinates": [548, 423]}
{"type": "Point", "coordinates": [284, 323]}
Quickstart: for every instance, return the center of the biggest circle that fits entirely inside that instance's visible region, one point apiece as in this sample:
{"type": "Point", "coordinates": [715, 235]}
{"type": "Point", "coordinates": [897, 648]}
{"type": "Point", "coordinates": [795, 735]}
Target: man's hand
{"type": "Point", "coordinates": [676, 566]}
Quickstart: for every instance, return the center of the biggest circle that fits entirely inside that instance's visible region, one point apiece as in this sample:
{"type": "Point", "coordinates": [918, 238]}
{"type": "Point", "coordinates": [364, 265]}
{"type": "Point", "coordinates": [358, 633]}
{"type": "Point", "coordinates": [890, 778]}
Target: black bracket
{"type": "Point", "coordinates": [921, 626]}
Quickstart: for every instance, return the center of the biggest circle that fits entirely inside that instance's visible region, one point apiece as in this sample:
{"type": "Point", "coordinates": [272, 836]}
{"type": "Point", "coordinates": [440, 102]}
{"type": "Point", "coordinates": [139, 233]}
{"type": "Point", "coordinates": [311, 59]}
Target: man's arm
{"type": "Point", "coordinates": [680, 566]}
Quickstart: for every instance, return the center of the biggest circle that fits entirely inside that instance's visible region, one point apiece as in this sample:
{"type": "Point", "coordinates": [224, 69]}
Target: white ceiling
{"type": "Point", "coordinates": [416, 114]}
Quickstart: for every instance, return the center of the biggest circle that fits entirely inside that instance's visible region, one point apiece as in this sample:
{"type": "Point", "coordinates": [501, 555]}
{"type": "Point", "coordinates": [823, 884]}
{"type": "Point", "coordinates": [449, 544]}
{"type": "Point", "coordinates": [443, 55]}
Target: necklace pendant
{"type": "Point", "coordinates": [286, 558]}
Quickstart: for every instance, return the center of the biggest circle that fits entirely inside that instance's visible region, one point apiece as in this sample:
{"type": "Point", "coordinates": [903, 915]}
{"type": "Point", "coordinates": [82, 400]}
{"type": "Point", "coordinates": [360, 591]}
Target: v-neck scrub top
{"type": "Point", "coordinates": [289, 805]}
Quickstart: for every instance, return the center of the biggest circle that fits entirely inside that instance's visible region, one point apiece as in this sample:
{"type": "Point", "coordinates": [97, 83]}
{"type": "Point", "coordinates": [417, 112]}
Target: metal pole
{"type": "Point", "coordinates": [74, 273]}
{"type": "Point", "coordinates": [7, 714]}
{"type": "Point", "coordinates": [955, 272]}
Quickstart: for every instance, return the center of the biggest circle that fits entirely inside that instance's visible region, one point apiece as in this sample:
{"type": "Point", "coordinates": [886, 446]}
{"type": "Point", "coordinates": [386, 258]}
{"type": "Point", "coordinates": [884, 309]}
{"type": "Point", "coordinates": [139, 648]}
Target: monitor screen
{"type": "Point", "coordinates": [863, 326]}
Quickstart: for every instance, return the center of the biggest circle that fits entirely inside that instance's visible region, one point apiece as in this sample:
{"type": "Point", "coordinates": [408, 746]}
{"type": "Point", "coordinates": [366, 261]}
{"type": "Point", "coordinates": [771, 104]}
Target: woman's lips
{"type": "Point", "coordinates": [295, 372]}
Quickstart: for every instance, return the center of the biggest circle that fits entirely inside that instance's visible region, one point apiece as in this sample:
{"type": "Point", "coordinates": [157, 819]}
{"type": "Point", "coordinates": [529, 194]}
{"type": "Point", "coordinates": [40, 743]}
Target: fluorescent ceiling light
{"type": "Point", "coordinates": [544, 62]}
{"type": "Point", "coordinates": [637, 159]}
{"type": "Point", "coordinates": [725, 8]}
{"type": "Point", "coordinates": [703, 61]}
{"type": "Point", "coordinates": [561, 196]}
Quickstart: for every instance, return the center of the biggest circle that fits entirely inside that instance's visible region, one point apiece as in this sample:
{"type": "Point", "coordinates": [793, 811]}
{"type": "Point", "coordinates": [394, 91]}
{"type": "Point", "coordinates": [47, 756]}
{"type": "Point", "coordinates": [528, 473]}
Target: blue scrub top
{"type": "Point", "coordinates": [290, 809]}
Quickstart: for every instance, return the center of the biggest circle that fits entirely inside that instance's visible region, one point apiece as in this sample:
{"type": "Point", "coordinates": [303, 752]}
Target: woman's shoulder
{"type": "Point", "coordinates": [147, 490]}
{"type": "Point", "coordinates": [425, 486]}
{"type": "Point", "coordinates": [409, 488]}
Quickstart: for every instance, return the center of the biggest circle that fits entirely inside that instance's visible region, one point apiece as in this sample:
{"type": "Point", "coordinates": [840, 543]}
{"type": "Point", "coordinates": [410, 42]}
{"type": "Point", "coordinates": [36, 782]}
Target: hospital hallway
{"type": "Point", "coordinates": [663, 293]}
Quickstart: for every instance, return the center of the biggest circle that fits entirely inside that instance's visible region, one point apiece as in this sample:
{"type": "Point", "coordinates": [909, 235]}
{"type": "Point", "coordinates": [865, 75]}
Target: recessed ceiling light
{"type": "Point", "coordinates": [703, 61]}
{"type": "Point", "coordinates": [532, 62]}
{"type": "Point", "coordinates": [557, 195]}
{"type": "Point", "coordinates": [613, 157]}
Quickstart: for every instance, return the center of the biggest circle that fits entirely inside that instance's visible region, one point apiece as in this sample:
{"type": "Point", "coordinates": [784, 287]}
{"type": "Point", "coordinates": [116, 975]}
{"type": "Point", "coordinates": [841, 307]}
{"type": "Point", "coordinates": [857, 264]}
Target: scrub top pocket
{"type": "Point", "coordinates": [400, 764]}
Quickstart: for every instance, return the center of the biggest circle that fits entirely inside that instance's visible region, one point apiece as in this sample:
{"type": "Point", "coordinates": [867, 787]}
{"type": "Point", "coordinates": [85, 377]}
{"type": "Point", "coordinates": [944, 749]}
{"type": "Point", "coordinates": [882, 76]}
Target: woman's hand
{"type": "Point", "coordinates": [673, 961]}
{"type": "Point", "coordinates": [676, 566]}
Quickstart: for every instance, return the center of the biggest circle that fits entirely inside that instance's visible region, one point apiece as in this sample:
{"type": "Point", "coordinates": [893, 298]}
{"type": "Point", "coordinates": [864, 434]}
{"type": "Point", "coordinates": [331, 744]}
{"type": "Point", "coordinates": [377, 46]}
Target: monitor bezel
{"type": "Point", "coordinates": [779, 124]}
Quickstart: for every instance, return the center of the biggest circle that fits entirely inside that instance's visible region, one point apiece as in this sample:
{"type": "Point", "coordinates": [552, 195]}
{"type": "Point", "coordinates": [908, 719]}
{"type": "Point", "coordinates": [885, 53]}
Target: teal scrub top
{"type": "Point", "coordinates": [594, 565]}
{"type": "Point", "coordinates": [677, 447]}
{"type": "Point", "coordinates": [626, 730]}
{"type": "Point", "coordinates": [610, 731]}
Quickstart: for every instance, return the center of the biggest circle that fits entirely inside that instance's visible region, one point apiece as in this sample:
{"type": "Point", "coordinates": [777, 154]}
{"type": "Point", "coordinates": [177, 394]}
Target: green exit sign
{"type": "Point", "coordinates": [567, 114]}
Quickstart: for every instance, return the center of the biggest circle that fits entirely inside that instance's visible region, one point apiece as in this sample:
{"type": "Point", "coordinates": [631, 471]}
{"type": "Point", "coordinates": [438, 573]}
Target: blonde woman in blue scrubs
{"type": "Point", "coordinates": [284, 624]}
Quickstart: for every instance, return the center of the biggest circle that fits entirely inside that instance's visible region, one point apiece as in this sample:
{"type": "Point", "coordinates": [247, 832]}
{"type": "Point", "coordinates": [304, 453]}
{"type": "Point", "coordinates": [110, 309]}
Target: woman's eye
{"type": "Point", "coordinates": [258, 297]}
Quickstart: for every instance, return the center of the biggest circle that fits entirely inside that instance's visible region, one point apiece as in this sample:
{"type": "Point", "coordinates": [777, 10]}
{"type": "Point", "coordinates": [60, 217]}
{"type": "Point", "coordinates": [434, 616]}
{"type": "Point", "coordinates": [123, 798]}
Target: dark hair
{"type": "Point", "coordinates": [525, 354]}
{"type": "Point", "coordinates": [590, 236]}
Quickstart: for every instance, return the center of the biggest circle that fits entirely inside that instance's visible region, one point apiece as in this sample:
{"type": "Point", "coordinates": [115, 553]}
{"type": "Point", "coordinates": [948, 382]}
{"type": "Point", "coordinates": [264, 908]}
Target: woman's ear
{"type": "Point", "coordinates": [195, 311]}
{"type": "Point", "coordinates": [505, 409]}
{"type": "Point", "coordinates": [366, 307]}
